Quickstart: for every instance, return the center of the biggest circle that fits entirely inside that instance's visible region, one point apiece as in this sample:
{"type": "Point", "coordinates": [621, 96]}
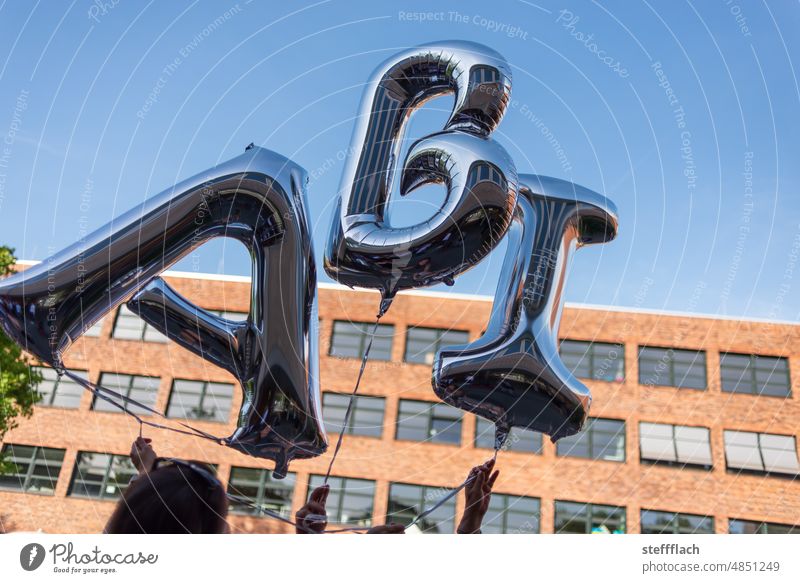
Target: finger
{"type": "Point", "coordinates": [490, 464]}
{"type": "Point", "coordinates": [320, 494]}
{"type": "Point", "coordinates": [493, 478]}
{"type": "Point", "coordinates": [315, 508]}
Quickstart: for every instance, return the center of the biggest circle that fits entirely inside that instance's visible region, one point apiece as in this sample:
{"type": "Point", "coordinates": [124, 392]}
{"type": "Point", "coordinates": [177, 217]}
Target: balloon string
{"type": "Point", "coordinates": [349, 411]}
{"type": "Point", "coordinates": [104, 392]}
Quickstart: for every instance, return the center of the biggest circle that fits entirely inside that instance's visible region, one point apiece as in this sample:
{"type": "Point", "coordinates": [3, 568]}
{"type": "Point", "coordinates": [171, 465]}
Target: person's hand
{"type": "Point", "coordinates": [143, 455]}
{"type": "Point", "coordinates": [390, 528]}
{"type": "Point", "coordinates": [478, 493]}
{"type": "Point", "coordinates": [312, 518]}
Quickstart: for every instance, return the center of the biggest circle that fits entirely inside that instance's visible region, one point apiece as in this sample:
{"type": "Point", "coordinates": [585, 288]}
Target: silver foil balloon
{"type": "Point", "coordinates": [256, 198]}
{"type": "Point", "coordinates": [513, 374]}
{"type": "Point", "coordinates": [363, 249]}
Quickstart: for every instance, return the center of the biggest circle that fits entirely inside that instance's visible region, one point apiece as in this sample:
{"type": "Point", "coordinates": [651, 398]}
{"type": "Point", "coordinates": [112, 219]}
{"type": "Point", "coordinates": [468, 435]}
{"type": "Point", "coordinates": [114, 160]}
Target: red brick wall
{"type": "Point", "coordinates": [630, 484]}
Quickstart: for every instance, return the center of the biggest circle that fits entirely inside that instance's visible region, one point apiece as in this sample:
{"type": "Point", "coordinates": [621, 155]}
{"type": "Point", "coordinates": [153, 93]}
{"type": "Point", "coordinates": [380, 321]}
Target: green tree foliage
{"type": "Point", "coordinates": [17, 380]}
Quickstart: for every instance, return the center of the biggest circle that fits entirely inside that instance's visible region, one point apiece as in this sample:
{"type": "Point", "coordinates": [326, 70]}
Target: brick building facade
{"type": "Point", "coordinates": [696, 423]}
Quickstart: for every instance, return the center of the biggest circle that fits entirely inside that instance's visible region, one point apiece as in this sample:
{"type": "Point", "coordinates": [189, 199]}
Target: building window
{"type": "Point", "coordinates": [101, 475]}
{"type": "Point", "coordinates": [349, 500]}
{"type": "Point", "coordinates": [129, 326]}
{"type": "Point", "coordinates": [202, 400]}
{"type": "Point", "coordinates": [406, 501]}
{"type": "Point", "coordinates": [366, 417]}
{"type": "Point", "coordinates": [659, 522]}
{"type": "Point", "coordinates": [424, 421]}
{"type": "Point", "coordinates": [350, 339]}
{"type": "Point", "coordinates": [736, 526]}
{"type": "Point", "coordinates": [600, 361]}
{"type": "Point", "coordinates": [520, 440]}
{"type": "Point", "coordinates": [675, 444]}
{"type": "Point", "coordinates": [423, 343]}
{"type": "Point", "coordinates": [59, 391]}
{"type": "Point", "coordinates": [685, 369]}
{"type": "Point", "coordinates": [761, 452]}
{"type": "Point", "coordinates": [258, 487]}
{"type": "Point", "coordinates": [511, 515]}
{"type": "Point", "coordinates": [141, 389]}
{"type": "Point", "coordinates": [228, 315]}
{"type": "Point", "coordinates": [602, 439]}
{"type": "Point", "coordinates": [580, 518]}
{"type": "Point", "coordinates": [33, 469]}
{"type": "Point", "coordinates": [95, 330]}
{"type": "Point", "coordinates": [755, 375]}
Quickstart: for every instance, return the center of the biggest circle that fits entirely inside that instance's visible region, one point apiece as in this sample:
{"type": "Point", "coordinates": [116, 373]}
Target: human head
{"type": "Point", "coordinates": [175, 497]}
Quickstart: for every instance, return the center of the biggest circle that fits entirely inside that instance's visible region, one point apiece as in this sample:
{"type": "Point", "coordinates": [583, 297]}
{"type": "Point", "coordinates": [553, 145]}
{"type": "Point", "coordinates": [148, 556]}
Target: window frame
{"type": "Point", "coordinates": [431, 417]}
{"type": "Point", "coordinates": [105, 480]}
{"type": "Point", "coordinates": [203, 395]}
{"type": "Point", "coordinates": [590, 435]}
{"type": "Point", "coordinates": [437, 343]}
{"type": "Point", "coordinates": [351, 428]}
{"type": "Point", "coordinates": [32, 461]}
{"type": "Point", "coordinates": [334, 512]}
{"type": "Point", "coordinates": [591, 352]}
{"type": "Point", "coordinates": [671, 367]}
{"type": "Point", "coordinates": [160, 339]}
{"type": "Point", "coordinates": [424, 502]}
{"type": "Point", "coordinates": [508, 500]}
{"type": "Point", "coordinates": [590, 508]}
{"type": "Point", "coordinates": [264, 478]}
{"type": "Point", "coordinates": [527, 436]}
{"type": "Point", "coordinates": [764, 471]}
{"type": "Point", "coordinates": [677, 463]}
{"type": "Point", "coordinates": [127, 393]}
{"type": "Point", "coordinates": [674, 521]}
{"type": "Point", "coordinates": [756, 390]}
{"type": "Point", "coordinates": [762, 527]}
{"type": "Point", "coordinates": [365, 328]}
{"type": "Point", "coordinates": [56, 383]}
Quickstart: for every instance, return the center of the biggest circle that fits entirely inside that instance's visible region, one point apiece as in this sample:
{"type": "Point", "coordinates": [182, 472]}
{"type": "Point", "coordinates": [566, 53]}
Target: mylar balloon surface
{"type": "Point", "coordinates": [258, 199]}
{"type": "Point", "coordinates": [513, 374]}
{"type": "Point", "coordinates": [363, 249]}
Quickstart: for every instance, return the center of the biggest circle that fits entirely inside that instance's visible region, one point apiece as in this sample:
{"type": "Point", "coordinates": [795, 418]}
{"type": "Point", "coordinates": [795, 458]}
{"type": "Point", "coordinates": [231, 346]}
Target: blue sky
{"type": "Point", "coordinates": [705, 175]}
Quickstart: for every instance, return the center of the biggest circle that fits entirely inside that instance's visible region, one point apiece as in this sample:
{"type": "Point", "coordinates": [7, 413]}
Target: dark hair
{"type": "Point", "coordinates": [171, 500]}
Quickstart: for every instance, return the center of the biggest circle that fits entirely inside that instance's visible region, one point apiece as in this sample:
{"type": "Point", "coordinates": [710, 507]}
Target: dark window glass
{"type": "Point", "coordinates": [349, 500]}
{"type": "Point", "coordinates": [675, 444]}
{"type": "Point", "coordinates": [350, 340]}
{"type": "Point", "coordinates": [685, 369]}
{"type": "Point", "coordinates": [600, 361]}
{"type": "Point", "coordinates": [33, 469]}
{"type": "Point", "coordinates": [141, 389]}
{"type": "Point", "coordinates": [602, 439]}
{"type": "Point", "coordinates": [755, 375]}
{"type": "Point", "coordinates": [423, 343]}
{"type": "Point", "coordinates": [761, 452]}
{"type": "Point", "coordinates": [511, 515]}
{"type": "Point", "coordinates": [59, 391]}
{"type": "Point", "coordinates": [580, 518]}
{"type": "Point", "coordinates": [129, 326]}
{"type": "Point", "coordinates": [366, 417]}
{"type": "Point", "coordinates": [101, 475]}
{"type": "Point", "coordinates": [406, 501]}
{"type": "Point", "coordinates": [200, 400]}
{"type": "Point", "coordinates": [424, 421]}
{"type": "Point", "coordinates": [659, 522]}
{"type": "Point", "coordinates": [258, 487]}
{"type": "Point", "coordinates": [736, 526]}
{"type": "Point", "coordinates": [519, 440]}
